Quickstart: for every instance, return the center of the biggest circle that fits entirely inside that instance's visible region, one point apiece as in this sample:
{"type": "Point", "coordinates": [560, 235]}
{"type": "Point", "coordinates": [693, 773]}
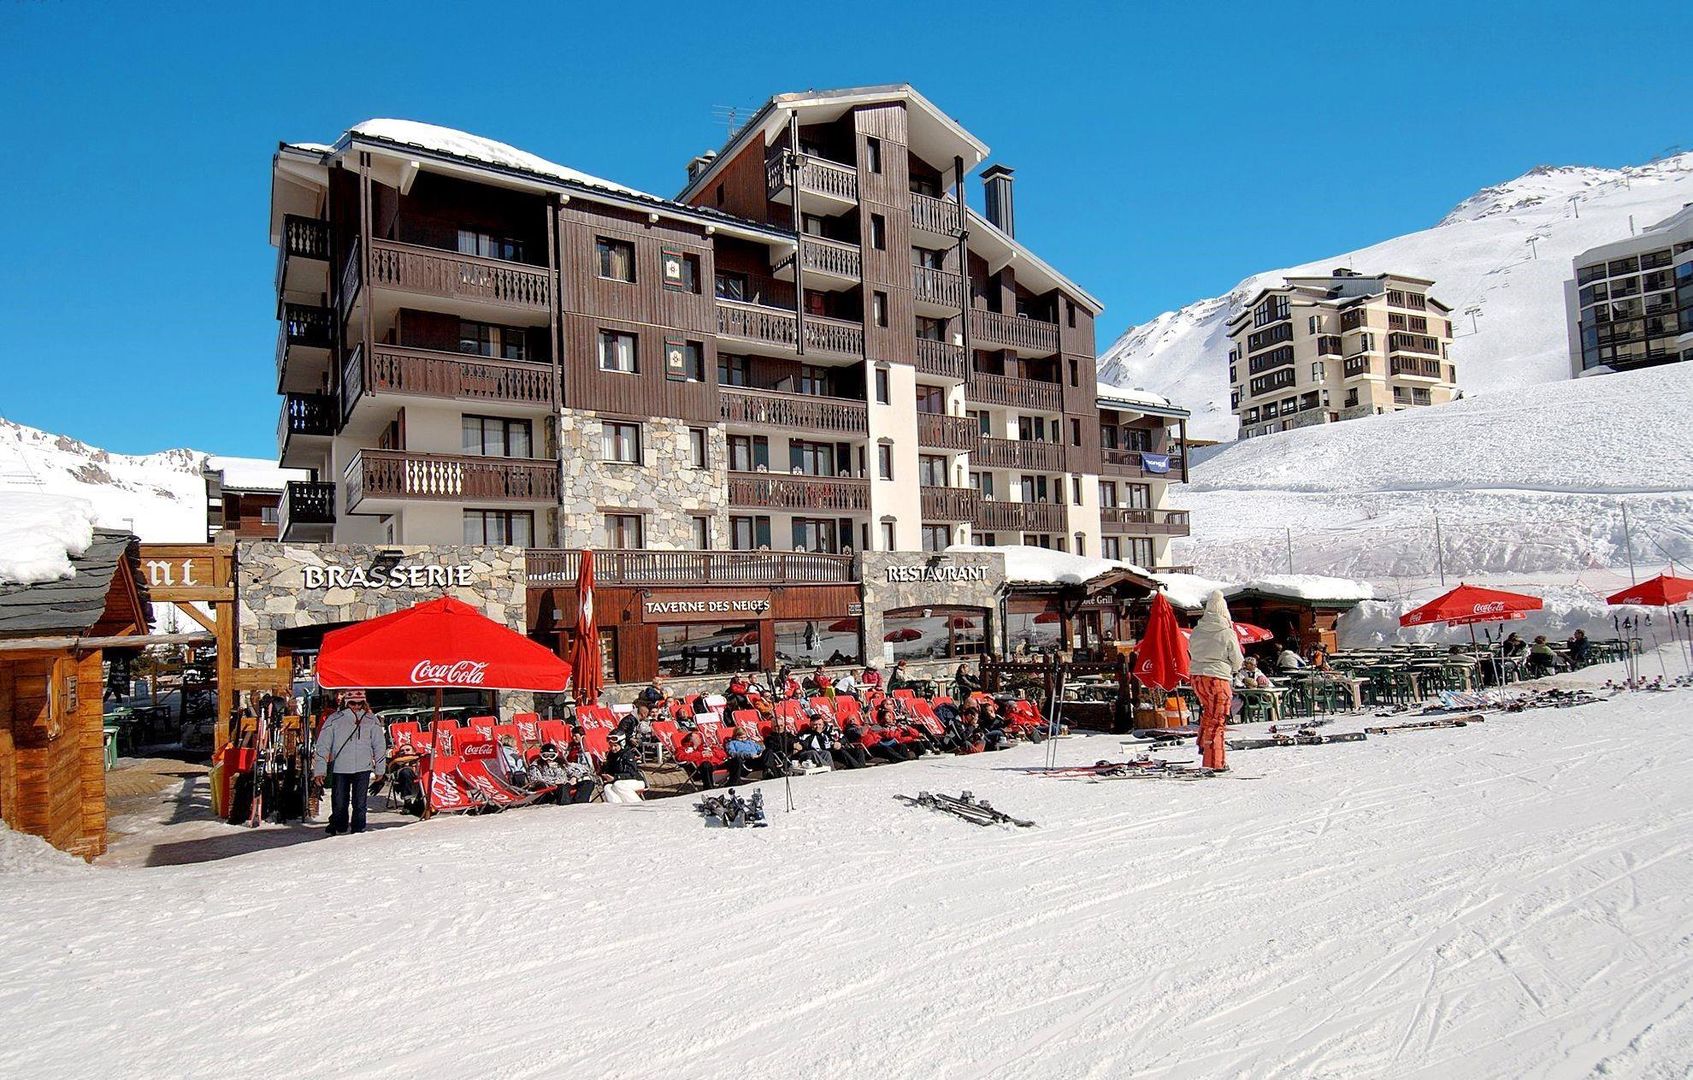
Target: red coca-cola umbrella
{"type": "Point", "coordinates": [904, 633]}
{"type": "Point", "coordinates": [585, 651]}
{"type": "Point", "coordinates": [1469, 604]}
{"type": "Point", "coordinates": [1161, 656]}
{"type": "Point", "coordinates": [442, 644]}
{"type": "Point", "coordinates": [1665, 590]}
{"type": "Point", "coordinates": [1245, 633]}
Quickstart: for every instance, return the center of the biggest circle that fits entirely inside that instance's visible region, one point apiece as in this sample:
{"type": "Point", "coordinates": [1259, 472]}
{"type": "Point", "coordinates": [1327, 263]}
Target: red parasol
{"type": "Point", "coordinates": [585, 653]}
{"type": "Point", "coordinates": [1245, 633]}
{"type": "Point", "coordinates": [1161, 655]}
{"type": "Point", "coordinates": [745, 637]}
{"type": "Point", "coordinates": [1662, 591]}
{"type": "Point", "coordinates": [906, 633]}
{"type": "Point", "coordinates": [843, 626]}
{"type": "Point", "coordinates": [442, 644]}
{"type": "Point", "coordinates": [1471, 604]}
{"type": "Point", "coordinates": [959, 622]}
{"type": "Point", "coordinates": [1047, 617]}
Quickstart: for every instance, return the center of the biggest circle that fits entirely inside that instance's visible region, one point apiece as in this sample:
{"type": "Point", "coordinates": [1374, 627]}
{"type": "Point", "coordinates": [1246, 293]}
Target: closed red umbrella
{"type": "Point", "coordinates": [1662, 591]}
{"type": "Point", "coordinates": [442, 644]}
{"type": "Point", "coordinates": [1469, 604]}
{"type": "Point", "coordinates": [1161, 656]}
{"type": "Point", "coordinates": [585, 653]}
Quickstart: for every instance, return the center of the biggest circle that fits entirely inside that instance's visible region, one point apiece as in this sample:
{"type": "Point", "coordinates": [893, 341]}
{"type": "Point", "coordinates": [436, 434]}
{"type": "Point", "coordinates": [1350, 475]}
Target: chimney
{"type": "Point", "coordinates": [996, 184]}
{"type": "Point", "coordinates": [700, 164]}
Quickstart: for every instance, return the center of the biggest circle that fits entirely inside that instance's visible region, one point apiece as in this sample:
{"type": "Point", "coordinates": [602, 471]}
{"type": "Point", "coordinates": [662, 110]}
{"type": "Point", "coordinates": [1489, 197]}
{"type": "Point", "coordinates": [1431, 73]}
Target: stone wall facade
{"type": "Point", "coordinates": [963, 579]}
{"type": "Point", "coordinates": [665, 489]}
{"type": "Point", "coordinates": [277, 587]}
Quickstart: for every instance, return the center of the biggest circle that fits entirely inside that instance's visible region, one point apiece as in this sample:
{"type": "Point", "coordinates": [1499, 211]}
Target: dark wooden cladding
{"type": "Point", "coordinates": [1019, 454]}
{"type": "Point", "coordinates": [789, 491]}
{"type": "Point", "coordinates": [1143, 522]}
{"type": "Point", "coordinates": [802, 412]}
{"type": "Point", "coordinates": [990, 329]}
{"type": "Point", "coordinates": [885, 194]}
{"type": "Point", "coordinates": [425, 373]}
{"type": "Point", "coordinates": [1014, 392]}
{"type": "Point", "coordinates": [942, 359]}
{"type": "Point", "coordinates": [941, 432]}
{"type": "Point", "coordinates": [1019, 517]}
{"type": "Point", "coordinates": [432, 272]}
{"type": "Point", "coordinates": [948, 504]}
{"type": "Point", "coordinates": [611, 567]}
{"type": "Point", "coordinates": [404, 474]}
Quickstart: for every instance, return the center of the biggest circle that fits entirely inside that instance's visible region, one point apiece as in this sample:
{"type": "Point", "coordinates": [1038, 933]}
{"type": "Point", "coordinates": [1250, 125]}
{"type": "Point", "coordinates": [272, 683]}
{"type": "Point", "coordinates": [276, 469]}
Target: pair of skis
{"type": "Point", "coordinates": [730, 811]}
{"type": "Point", "coordinates": [965, 806]}
{"type": "Point", "coordinates": [1302, 738]}
{"type": "Point", "coordinates": [1427, 725]}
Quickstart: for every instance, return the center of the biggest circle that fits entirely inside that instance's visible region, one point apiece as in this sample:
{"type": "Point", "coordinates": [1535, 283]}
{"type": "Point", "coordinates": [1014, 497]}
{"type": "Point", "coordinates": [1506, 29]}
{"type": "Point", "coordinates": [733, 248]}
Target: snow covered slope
{"type": "Point", "coordinates": [1478, 255]}
{"type": "Point", "coordinates": [1507, 900]}
{"type": "Point", "coordinates": [1523, 484]}
{"type": "Point", "coordinates": [159, 497]}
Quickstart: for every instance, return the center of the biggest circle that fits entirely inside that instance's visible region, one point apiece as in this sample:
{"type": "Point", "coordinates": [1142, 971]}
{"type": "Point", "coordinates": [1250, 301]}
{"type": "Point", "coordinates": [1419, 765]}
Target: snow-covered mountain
{"type": "Point", "coordinates": [1478, 256]}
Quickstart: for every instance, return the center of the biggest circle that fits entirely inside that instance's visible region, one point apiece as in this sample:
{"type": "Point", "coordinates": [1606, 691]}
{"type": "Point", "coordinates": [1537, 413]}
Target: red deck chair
{"type": "Point", "coordinates": [507, 731]}
{"type": "Point", "coordinates": [444, 793]}
{"type": "Point", "coordinates": [407, 738]}
{"type": "Point", "coordinates": [745, 719]}
{"type": "Point", "coordinates": [666, 730]}
{"type": "Point", "coordinates": [528, 728]}
{"type": "Point", "coordinates": [923, 716]}
{"type": "Point", "coordinates": [556, 732]}
{"type": "Point", "coordinates": [942, 699]}
{"type": "Point", "coordinates": [847, 710]}
{"type": "Point", "coordinates": [905, 694]}
{"type": "Point", "coordinates": [444, 738]}
{"type": "Point", "coordinates": [483, 721]}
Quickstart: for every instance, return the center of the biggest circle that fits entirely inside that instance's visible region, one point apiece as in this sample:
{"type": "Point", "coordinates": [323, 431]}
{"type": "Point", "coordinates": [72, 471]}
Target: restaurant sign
{"type": "Point", "coordinates": [937, 573]}
{"type": "Point", "coordinates": [687, 609]}
{"type": "Point", "coordinates": [385, 577]}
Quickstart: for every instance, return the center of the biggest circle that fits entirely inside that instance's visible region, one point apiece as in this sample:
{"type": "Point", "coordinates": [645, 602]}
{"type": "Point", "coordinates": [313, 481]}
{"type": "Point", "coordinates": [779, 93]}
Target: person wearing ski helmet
{"type": "Point", "coordinates": [352, 745]}
{"type": "Point", "coordinates": [624, 781]}
{"type": "Point", "coordinates": [1213, 658]}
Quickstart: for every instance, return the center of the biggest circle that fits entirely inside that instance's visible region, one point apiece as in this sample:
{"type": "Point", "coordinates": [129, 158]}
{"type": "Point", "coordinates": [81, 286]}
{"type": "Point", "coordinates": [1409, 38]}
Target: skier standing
{"type": "Point", "coordinates": [351, 746]}
{"type": "Point", "coordinates": [1213, 658]}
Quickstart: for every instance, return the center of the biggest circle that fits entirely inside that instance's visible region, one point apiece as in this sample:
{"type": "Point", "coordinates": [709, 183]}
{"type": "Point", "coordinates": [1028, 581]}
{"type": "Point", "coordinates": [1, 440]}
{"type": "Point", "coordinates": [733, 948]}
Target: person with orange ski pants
{"type": "Point", "coordinates": [1213, 658]}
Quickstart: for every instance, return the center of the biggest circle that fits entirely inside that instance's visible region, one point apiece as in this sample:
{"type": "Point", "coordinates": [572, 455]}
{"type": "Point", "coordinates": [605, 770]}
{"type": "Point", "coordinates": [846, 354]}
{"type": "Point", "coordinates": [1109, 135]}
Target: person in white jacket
{"type": "Point", "coordinates": [1214, 656]}
{"type": "Point", "coordinates": [352, 745]}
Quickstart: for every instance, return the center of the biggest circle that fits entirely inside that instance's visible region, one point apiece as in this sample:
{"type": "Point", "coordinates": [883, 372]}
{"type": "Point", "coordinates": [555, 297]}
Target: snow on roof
{"type": "Point", "coordinates": [1137, 396]}
{"type": "Point", "coordinates": [253, 474]}
{"type": "Point", "coordinates": [462, 144]}
{"type": "Point", "coordinates": [1306, 587]}
{"type": "Point", "coordinates": [39, 534]}
{"type": "Point", "coordinates": [1187, 590]}
{"type": "Point", "coordinates": [1044, 566]}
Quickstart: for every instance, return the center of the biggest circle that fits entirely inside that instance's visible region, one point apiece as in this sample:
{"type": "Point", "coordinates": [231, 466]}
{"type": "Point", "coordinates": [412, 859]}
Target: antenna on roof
{"type": "Point", "coordinates": [730, 116]}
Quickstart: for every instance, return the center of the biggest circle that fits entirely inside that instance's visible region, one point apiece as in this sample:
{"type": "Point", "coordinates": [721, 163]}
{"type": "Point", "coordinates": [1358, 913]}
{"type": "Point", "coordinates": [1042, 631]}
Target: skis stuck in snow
{"type": "Point", "coordinates": [730, 811]}
{"type": "Point", "coordinates": [966, 806]}
{"type": "Point", "coordinates": [1427, 725]}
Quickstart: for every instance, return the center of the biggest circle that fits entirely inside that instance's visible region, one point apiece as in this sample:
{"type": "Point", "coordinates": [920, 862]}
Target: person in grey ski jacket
{"type": "Point", "coordinates": [351, 746]}
{"type": "Point", "coordinates": [1214, 655]}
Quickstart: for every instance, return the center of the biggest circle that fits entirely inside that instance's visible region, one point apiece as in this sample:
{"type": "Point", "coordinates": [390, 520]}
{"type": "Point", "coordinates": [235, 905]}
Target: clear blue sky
{"type": "Point", "coordinates": [1163, 150]}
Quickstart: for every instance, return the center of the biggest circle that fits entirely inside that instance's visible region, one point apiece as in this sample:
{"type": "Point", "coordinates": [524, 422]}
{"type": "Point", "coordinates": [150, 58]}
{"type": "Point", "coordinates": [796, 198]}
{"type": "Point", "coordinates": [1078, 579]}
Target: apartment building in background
{"type": "Point", "coordinates": [1318, 350]}
{"type": "Point", "coordinates": [1630, 303]}
{"type": "Point", "coordinates": [815, 346]}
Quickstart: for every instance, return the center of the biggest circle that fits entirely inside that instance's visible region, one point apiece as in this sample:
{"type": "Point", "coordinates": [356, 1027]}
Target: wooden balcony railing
{"type": "Point", "coordinates": [805, 412]}
{"type": "Point", "coordinates": [833, 337]}
{"type": "Point", "coordinates": [307, 325]}
{"type": "Point", "coordinates": [351, 278]}
{"type": "Point", "coordinates": [304, 237]}
{"type": "Point", "coordinates": [1125, 462]}
{"type": "Point", "coordinates": [939, 216]}
{"type": "Point", "coordinates": [1143, 522]}
{"type": "Point", "coordinates": [789, 491]}
{"type": "Point", "coordinates": [404, 474]}
{"type": "Point", "coordinates": [1018, 393]}
{"type": "Point", "coordinates": [832, 257]}
{"type": "Point", "coordinates": [941, 432]}
{"type": "Point", "coordinates": [305, 502]}
{"type": "Point", "coordinates": [462, 277]}
{"type": "Point", "coordinates": [555, 566]}
{"type": "Point", "coordinates": [394, 369]}
{"type": "Point", "coordinates": [1019, 454]}
{"type": "Point", "coordinates": [780, 327]}
{"type": "Point", "coordinates": [1008, 331]}
{"type": "Point", "coordinates": [306, 414]}
{"type": "Point", "coordinates": [948, 503]}
{"type": "Point", "coordinates": [1419, 366]}
{"type": "Point", "coordinates": [992, 516]}
{"type": "Point", "coordinates": [1357, 365]}
{"type": "Point", "coordinates": [941, 287]}
{"type": "Point", "coordinates": [942, 359]}
{"type": "Point", "coordinates": [815, 174]}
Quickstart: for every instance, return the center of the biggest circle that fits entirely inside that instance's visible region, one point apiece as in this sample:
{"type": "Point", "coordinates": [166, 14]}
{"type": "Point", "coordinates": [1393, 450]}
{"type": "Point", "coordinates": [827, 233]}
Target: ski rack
{"type": "Point", "coordinates": [966, 806]}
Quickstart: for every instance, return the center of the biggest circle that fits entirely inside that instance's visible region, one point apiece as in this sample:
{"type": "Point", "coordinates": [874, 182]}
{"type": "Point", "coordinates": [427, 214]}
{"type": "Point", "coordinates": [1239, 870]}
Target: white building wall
{"type": "Point", "coordinates": [899, 499]}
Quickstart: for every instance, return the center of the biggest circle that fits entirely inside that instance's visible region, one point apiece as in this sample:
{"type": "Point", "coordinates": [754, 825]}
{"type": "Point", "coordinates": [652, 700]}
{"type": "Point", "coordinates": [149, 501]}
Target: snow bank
{"type": "Point", "coordinates": [1134, 395]}
{"type": "Point", "coordinates": [39, 534]}
{"type": "Point", "coordinates": [1188, 590]}
{"type": "Point", "coordinates": [1306, 587]}
{"type": "Point", "coordinates": [1478, 256]}
{"type": "Point", "coordinates": [462, 144]}
{"type": "Point", "coordinates": [159, 497]}
{"type": "Point", "coordinates": [22, 854]}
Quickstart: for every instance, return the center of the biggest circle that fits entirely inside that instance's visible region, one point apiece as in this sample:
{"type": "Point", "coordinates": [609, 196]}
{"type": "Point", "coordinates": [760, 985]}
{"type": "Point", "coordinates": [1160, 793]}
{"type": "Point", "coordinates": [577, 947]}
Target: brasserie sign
{"type": "Point", "coordinates": [937, 573]}
{"type": "Point", "coordinates": [380, 577]}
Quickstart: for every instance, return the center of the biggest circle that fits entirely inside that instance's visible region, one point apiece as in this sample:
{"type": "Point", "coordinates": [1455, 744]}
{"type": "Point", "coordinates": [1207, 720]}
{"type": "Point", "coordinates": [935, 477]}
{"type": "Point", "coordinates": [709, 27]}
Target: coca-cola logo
{"type": "Point", "coordinates": [453, 673]}
{"type": "Point", "coordinates": [479, 749]}
{"type": "Point", "coordinates": [1492, 607]}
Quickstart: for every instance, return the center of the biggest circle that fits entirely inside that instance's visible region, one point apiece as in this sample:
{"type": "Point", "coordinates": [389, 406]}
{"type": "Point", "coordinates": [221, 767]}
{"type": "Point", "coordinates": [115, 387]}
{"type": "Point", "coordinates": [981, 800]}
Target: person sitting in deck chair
{"type": "Point", "coordinates": [991, 722]}
{"type": "Point", "coordinates": [511, 761]}
{"type": "Point", "coordinates": [882, 738]}
{"type": "Point", "coordinates": [815, 746]}
{"type": "Point", "coordinates": [547, 771]}
{"type": "Point", "coordinates": [1541, 659]}
{"type": "Point", "coordinates": [745, 752]}
{"type": "Point", "coordinates": [847, 746]}
{"type": "Point", "coordinates": [624, 781]}
{"type": "Point", "coordinates": [1580, 649]}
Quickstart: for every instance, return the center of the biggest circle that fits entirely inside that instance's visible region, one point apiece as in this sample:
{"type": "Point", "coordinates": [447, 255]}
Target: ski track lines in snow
{"type": "Point", "coordinates": [1509, 899]}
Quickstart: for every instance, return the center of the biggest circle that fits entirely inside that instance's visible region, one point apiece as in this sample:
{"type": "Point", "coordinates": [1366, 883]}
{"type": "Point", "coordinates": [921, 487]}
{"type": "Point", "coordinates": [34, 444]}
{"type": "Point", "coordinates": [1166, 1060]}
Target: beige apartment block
{"type": "Point", "coordinates": [1318, 350]}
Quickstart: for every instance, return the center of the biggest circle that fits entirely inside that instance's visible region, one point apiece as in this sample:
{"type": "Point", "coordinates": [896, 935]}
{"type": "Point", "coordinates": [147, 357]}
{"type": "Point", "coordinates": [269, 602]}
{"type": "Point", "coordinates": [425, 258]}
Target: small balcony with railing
{"type": "Point", "coordinates": [398, 476]}
{"type": "Point", "coordinates": [1115, 461]}
{"type": "Point", "coordinates": [1014, 392]}
{"type": "Point", "coordinates": [302, 258]}
{"type": "Point", "coordinates": [829, 264]}
{"type": "Point", "coordinates": [1414, 367]}
{"type": "Point", "coordinates": [776, 330]}
{"type": "Point", "coordinates": [559, 567]}
{"type": "Point", "coordinates": [1036, 517]}
{"type": "Point", "coordinates": [799, 491]}
{"type": "Point", "coordinates": [437, 279]}
{"type": "Point", "coordinates": [747, 407]}
{"type": "Point", "coordinates": [826, 186]}
{"type": "Point", "coordinates": [1027, 336]}
{"type": "Point", "coordinates": [948, 503]}
{"type": "Point", "coordinates": [938, 431]}
{"type": "Point", "coordinates": [937, 291]}
{"type": "Point", "coordinates": [307, 511]}
{"type": "Point", "coordinates": [1358, 366]}
{"type": "Point", "coordinates": [306, 421]}
{"type": "Point", "coordinates": [303, 342]}
{"type": "Point", "coordinates": [936, 219]}
{"type": "Point", "coordinates": [942, 360]}
{"type": "Point", "coordinates": [1034, 455]}
{"type": "Point", "coordinates": [1140, 521]}
{"type": "Point", "coordinates": [519, 385]}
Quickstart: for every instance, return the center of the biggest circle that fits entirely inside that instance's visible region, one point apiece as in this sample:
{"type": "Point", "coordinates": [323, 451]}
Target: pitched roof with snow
{"type": "Point", "coordinates": [1137, 400]}
{"type": "Point", "coordinates": [1045, 566]}
{"type": "Point", "coordinates": [253, 474]}
{"type": "Point", "coordinates": [69, 605]}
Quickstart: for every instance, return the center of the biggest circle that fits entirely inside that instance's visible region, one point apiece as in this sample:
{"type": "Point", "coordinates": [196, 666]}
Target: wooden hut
{"type": "Point", "coordinates": [52, 745]}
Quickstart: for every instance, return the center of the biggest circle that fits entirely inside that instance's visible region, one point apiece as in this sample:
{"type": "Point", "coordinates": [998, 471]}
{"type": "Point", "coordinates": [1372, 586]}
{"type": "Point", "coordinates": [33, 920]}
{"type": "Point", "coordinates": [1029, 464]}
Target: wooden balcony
{"type": "Point", "coordinates": [459, 478]}
{"type": "Point", "coordinates": [302, 346]}
{"type": "Point", "coordinates": [302, 259]}
{"type": "Point", "coordinates": [994, 516]}
{"type": "Point", "coordinates": [835, 182]}
{"type": "Point", "coordinates": [312, 415]}
{"type": "Point", "coordinates": [949, 503]}
{"type": "Point", "coordinates": [1139, 522]}
{"type": "Point", "coordinates": [802, 412]}
{"type": "Point", "coordinates": [554, 566]}
{"type": "Point", "coordinates": [434, 272]}
{"type": "Point", "coordinates": [833, 258]}
{"type": "Point", "coordinates": [937, 217]}
{"type": "Point", "coordinates": [1019, 454]}
{"type": "Point", "coordinates": [1117, 462]}
{"type": "Point", "coordinates": [395, 369]}
{"type": "Point", "coordinates": [307, 511]}
{"type": "Point", "coordinates": [942, 288]}
{"type": "Point", "coordinates": [938, 431]}
{"type": "Point", "coordinates": [995, 331]}
{"type": "Point", "coordinates": [942, 359]}
{"type": "Point", "coordinates": [789, 491]}
{"type": "Point", "coordinates": [1417, 367]}
{"type": "Point", "coordinates": [1017, 393]}
{"type": "Point", "coordinates": [779, 328]}
{"type": "Point", "coordinates": [1354, 366]}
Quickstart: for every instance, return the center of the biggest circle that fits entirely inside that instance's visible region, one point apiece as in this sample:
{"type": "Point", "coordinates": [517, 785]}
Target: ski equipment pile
{"type": "Point", "coordinates": [1303, 738]}
{"type": "Point", "coordinates": [1426, 725]}
{"type": "Point", "coordinates": [966, 806]}
{"type": "Point", "coordinates": [730, 811]}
